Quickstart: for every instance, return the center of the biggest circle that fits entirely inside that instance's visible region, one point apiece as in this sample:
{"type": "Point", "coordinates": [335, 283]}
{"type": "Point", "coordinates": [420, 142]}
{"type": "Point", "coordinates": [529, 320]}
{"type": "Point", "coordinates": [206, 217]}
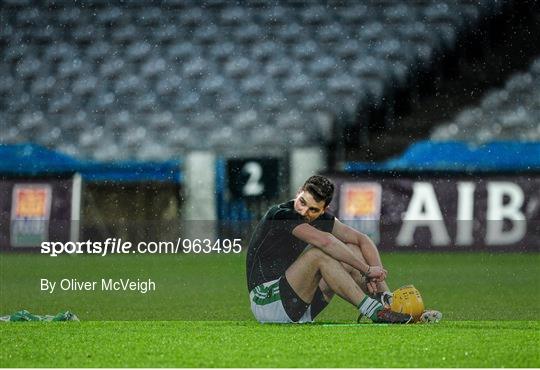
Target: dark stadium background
{"type": "Point", "coordinates": [128, 93]}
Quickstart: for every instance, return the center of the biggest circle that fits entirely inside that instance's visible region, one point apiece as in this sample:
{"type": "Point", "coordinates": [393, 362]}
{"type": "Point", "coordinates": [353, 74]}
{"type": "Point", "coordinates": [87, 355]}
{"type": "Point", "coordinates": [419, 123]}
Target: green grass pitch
{"type": "Point", "coordinates": [199, 316]}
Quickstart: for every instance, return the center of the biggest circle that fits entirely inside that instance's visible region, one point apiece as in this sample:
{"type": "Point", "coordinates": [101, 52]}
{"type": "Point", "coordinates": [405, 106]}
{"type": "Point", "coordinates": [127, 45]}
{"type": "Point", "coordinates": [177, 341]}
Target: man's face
{"type": "Point", "coordinates": [307, 206]}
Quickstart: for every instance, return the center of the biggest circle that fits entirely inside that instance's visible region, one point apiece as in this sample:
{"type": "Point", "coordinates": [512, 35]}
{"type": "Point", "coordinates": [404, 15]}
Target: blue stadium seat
{"type": "Point", "coordinates": [44, 85]}
{"type": "Point", "coordinates": [68, 16]}
{"type": "Point", "coordinates": [323, 66]}
{"type": "Point", "coordinates": [59, 51]}
{"type": "Point", "coordinates": [254, 85]}
{"type": "Point", "coordinates": [191, 17]}
{"type": "Point", "coordinates": [181, 51]}
{"type": "Point", "coordinates": [111, 68]}
{"type": "Point", "coordinates": [234, 15]}
{"type": "Point", "coordinates": [28, 67]}
{"type": "Point", "coordinates": [238, 67]}
{"type": "Point", "coordinates": [87, 33]}
{"type": "Point", "coordinates": [153, 67]}
{"type": "Point", "coordinates": [165, 33]}
{"type": "Point", "coordinates": [7, 83]}
{"type": "Point", "coordinates": [276, 15]}
{"type": "Point", "coordinates": [15, 51]}
{"type": "Point", "coordinates": [315, 15]}
{"type": "Point", "coordinates": [124, 34]}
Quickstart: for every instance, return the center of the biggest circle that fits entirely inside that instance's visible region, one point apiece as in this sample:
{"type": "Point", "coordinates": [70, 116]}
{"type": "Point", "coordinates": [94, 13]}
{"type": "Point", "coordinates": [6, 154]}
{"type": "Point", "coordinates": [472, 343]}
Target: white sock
{"type": "Point", "coordinates": [369, 307]}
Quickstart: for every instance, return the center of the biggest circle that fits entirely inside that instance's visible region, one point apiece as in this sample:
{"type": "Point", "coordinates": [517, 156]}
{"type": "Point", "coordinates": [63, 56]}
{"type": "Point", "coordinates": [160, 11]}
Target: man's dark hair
{"type": "Point", "coordinates": [320, 187]}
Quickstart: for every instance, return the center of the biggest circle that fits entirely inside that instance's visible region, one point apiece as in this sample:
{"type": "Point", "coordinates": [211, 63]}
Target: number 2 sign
{"type": "Point", "coordinates": [253, 177]}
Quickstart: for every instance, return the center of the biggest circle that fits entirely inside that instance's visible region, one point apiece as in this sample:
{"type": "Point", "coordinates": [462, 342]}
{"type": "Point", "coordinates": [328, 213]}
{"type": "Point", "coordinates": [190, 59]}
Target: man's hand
{"type": "Point", "coordinates": [371, 286]}
{"type": "Point", "coordinates": [376, 273]}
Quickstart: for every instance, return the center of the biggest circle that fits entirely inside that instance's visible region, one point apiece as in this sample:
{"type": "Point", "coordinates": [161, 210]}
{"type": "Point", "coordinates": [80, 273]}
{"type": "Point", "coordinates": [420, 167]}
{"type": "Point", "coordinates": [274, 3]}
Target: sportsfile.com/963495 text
{"type": "Point", "coordinates": [119, 246]}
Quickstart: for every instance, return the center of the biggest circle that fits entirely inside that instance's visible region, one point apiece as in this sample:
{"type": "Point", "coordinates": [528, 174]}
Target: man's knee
{"type": "Point", "coordinates": [317, 255]}
{"type": "Point", "coordinates": [319, 259]}
{"type": "Point", "coordinates": [314, 253]}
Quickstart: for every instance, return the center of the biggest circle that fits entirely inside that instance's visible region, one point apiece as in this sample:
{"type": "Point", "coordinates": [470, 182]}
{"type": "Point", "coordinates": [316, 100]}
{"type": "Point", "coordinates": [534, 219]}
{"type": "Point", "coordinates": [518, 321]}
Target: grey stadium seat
{"type": "Point", "coordinates": [213, 72]}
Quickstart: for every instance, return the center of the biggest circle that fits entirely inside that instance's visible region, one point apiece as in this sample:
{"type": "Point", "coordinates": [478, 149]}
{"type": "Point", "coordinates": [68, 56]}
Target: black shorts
{"type": "Point", "coordinates": [294, 306]}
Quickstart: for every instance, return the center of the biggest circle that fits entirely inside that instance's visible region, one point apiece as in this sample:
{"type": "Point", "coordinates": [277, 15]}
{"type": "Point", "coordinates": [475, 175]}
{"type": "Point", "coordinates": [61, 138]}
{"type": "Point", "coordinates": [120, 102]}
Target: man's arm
{"type": "Point", "coordinates": [368, 249]}
{"type": "Point", "coordinates": [347, 234]}
{"type": "Point", "coordinates": [334, 247]}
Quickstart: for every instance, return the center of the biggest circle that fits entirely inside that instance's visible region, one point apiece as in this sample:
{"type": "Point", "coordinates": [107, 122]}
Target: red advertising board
{"type": "Point", "coordinates": [30, 214]}
{"type": "Point", "coordinates": [33, 210]}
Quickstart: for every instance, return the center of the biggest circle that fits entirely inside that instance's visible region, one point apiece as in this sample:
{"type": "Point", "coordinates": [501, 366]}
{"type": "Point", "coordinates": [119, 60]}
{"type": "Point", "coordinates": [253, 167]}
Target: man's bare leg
{"type": "Point", "coordinates": [355, 274]}
{"type": "Point", "coordinates": [305, 274]}
{"type": "Point", "coordinates": [314, 266]}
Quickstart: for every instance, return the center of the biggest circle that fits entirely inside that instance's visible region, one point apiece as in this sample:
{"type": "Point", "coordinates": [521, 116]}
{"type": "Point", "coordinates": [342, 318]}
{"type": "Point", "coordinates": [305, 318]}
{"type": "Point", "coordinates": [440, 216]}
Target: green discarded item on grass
{"type": "Point", "coordinates": [24, 315]}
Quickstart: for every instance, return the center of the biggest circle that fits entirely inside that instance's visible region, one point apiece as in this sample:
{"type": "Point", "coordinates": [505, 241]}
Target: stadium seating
{"type": "Point", "coordinates": [511, 112]}
{"type": "Point", "coordinates": [150, 80]}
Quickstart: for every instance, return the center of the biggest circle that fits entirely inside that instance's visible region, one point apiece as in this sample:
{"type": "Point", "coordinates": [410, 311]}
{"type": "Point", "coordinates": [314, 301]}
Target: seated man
{"type": "Point", "coordinates": [300, 256]}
